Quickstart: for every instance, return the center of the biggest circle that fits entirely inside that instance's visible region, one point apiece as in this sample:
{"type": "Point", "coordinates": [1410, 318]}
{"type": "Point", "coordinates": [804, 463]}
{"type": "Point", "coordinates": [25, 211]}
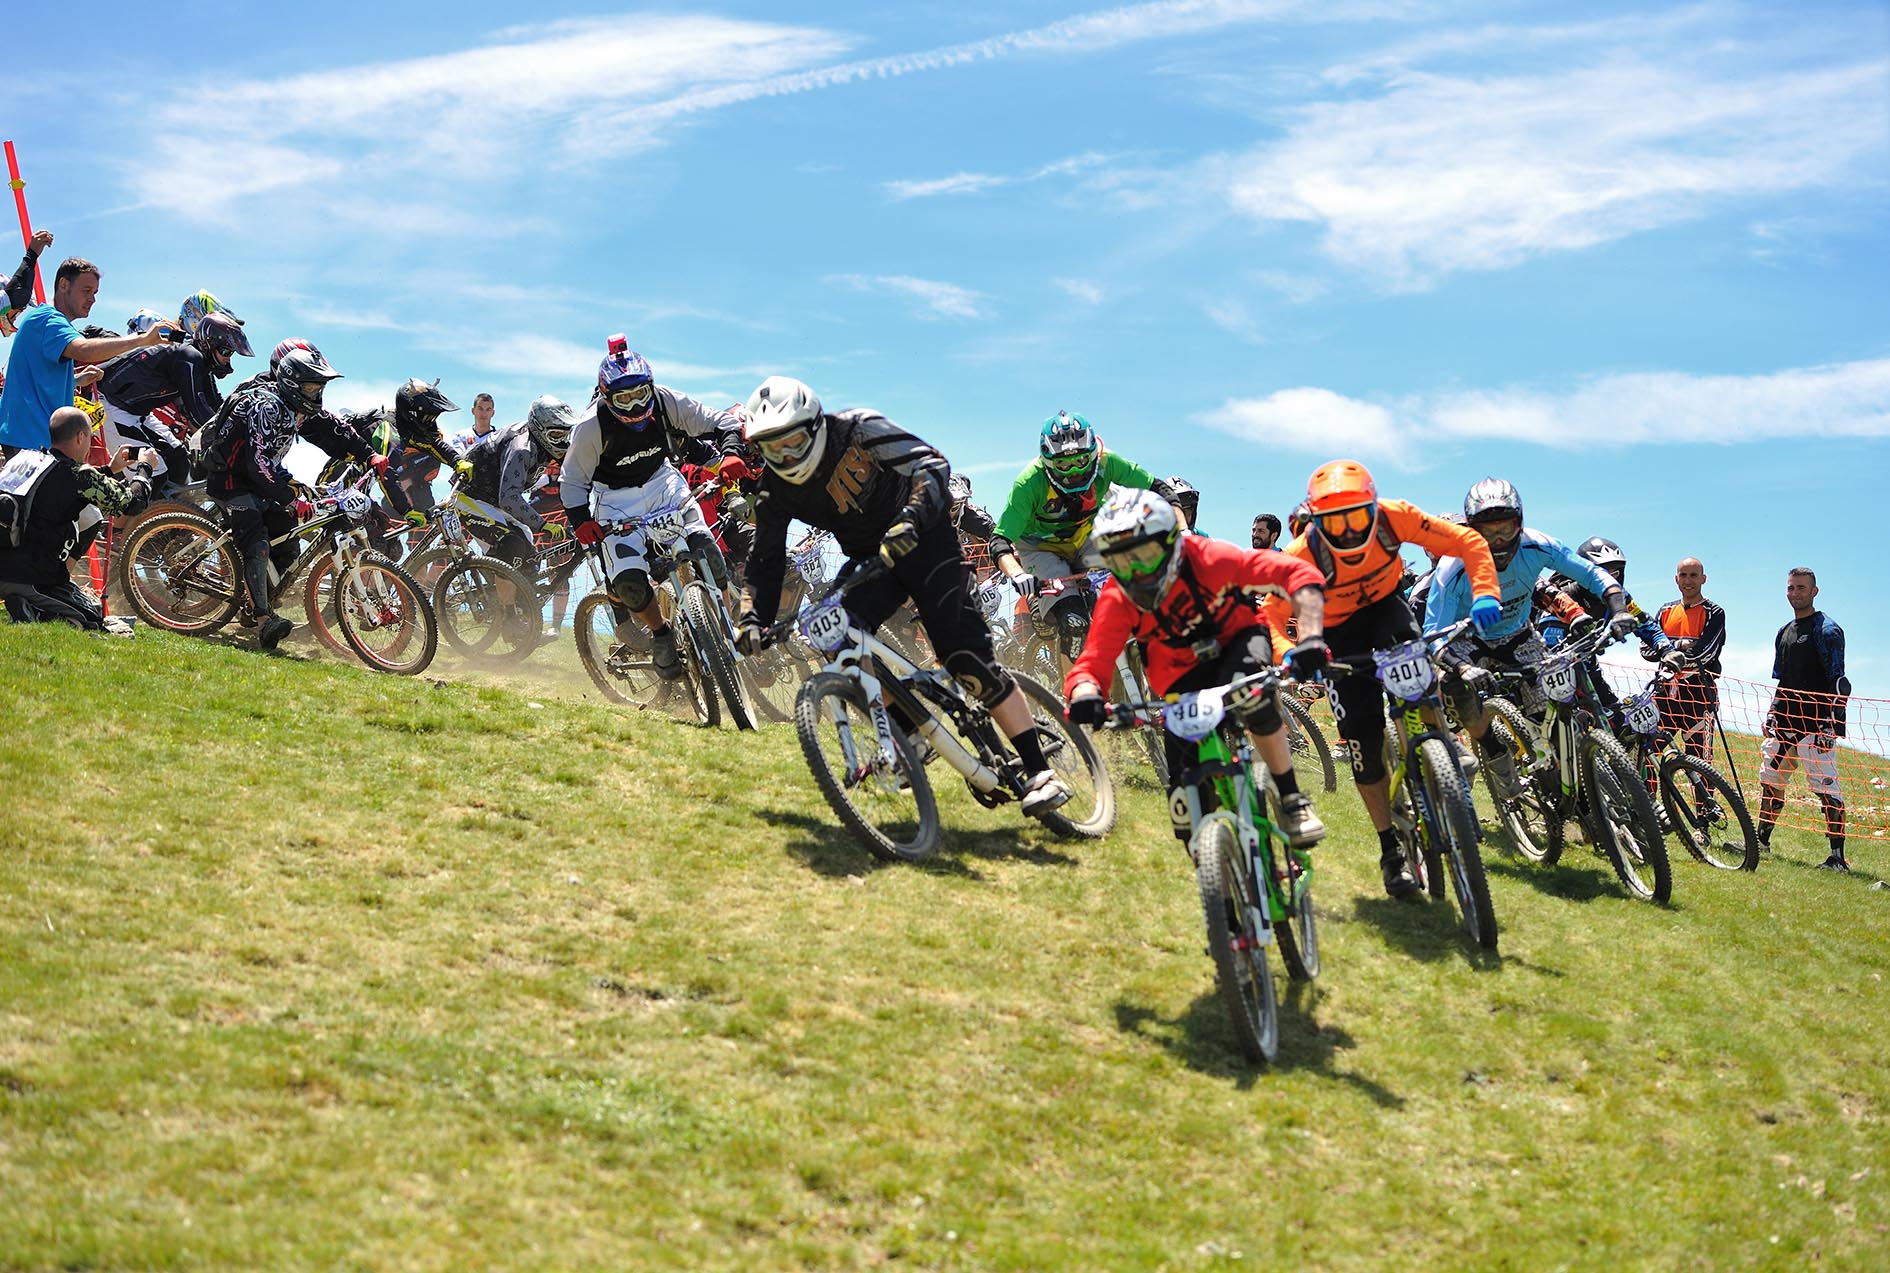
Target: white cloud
{"type": "Point", "coordinates": [1080, 290]}
{"type": "Point", "coordinates": [963, 183]}
{"type": "Point", "coordinates": [939, 300]}
{"type": "Point", "coordinates": [1447, 172]}
{"type": "Point", "coordinates": [1235, 318]}
{"type": "Point", "coordinates": [1835, 400]}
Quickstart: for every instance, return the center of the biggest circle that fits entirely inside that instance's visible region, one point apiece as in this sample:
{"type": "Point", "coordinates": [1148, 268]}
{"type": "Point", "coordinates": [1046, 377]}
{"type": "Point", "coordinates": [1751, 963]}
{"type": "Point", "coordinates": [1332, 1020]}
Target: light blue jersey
{"type": "Point", "coordinates": [1537, 552]}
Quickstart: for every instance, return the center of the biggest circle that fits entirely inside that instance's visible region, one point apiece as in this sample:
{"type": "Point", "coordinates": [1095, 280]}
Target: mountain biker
{"type": "Point", "coordinates": [422, 449]}
{"type": "Point", "coordinates": [179, 376]}
{"type": "Point", "coordinates": [1355, 538]}
{"type": "Point", "coordinates": [1192, 601]}
{"type": "Point", "coordinates": [1186, 500]}
{"type": "Point", "coordinates": [1493, 508]}
{"type": "Point", "coordinates": [620, 452]}
{"type": "Point", "coordinates": [197, 306]}
{"type": "Point", "coordinates": [501, 469]}
{"type": "Point", "coordinates": [882, 493]}
{"type": "Point", "coordinates": [1041, 532]}
{"type": "Point", "coordinates": [243, 454]}
{"type": "Point", "coordinates": [1607, 555]}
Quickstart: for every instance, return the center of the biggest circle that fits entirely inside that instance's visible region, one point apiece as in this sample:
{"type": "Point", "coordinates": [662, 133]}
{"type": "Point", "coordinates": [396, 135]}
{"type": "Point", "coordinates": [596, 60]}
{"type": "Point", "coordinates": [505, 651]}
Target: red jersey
{"type": "Point", "coordinates": [1214, 596]}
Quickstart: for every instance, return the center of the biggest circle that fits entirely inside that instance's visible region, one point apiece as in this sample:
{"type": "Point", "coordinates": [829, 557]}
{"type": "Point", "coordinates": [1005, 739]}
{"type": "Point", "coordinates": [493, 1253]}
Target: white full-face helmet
{"type": "Point", "coordinates": [785, 425]}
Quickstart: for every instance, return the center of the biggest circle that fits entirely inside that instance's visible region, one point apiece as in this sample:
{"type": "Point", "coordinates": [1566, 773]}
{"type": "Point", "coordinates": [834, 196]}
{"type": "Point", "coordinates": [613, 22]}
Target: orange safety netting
{"type": "Point", "coordinates": [1863, 754]}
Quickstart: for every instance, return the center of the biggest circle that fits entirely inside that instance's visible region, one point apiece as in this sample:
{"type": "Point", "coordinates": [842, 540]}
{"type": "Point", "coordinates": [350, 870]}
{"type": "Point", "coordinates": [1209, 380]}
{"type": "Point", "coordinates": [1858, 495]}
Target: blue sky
{"type": "Point", "coordinates": [1631, 257]}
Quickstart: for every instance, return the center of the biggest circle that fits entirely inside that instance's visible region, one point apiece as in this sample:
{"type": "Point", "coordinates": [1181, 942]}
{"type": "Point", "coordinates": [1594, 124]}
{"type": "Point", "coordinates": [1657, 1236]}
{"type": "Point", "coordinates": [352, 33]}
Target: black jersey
{"type": "Point", "coordinates": [143, 380]}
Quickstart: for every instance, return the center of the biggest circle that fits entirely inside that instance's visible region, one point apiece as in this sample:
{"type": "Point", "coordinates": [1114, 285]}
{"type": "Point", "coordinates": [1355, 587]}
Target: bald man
{"type": "Point", "coordinates": [1697, 629]}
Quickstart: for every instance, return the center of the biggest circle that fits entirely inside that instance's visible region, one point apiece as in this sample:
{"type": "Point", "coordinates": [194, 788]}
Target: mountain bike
{"type": "Point", "coordinates": [872, 769]}
{"type": "Point", "coordinates": [487, 607]}
{"type": "Point", "coordinates": [1570, 766]}
{"type": "Point", "coordinates": [1703, 810]}
{"type": "Point", "coordinates": [619, 657]}
{"type": "Point", "coordinates": [1431, 809]}
{"type": "Point", "coordinates": [183, 572]}
{"type": "Point", "coordinates": [1256, 890]}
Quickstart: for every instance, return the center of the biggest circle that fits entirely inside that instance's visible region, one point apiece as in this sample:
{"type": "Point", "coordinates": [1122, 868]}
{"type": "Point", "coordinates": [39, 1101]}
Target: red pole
{"type": "Point", "coordinates": [26, 222]}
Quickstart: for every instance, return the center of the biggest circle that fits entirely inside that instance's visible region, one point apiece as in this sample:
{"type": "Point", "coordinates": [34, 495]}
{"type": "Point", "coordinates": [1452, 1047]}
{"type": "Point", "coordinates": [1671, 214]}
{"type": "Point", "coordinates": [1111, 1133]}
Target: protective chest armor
{"type": "Point", "coordinates": [1382, 562]}
{"type": "Point", "coordinates": [1190, 613]}
{"type": "Point", "coordinates": [630, 456]}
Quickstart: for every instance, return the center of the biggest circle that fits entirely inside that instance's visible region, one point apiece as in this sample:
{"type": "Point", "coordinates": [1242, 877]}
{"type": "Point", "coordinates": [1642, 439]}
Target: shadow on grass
{"type": "Point", "coordinates": [1202, 1039]}
{"type": "Point", "coordinates": [1430, 930]}
{"type": "Point", "coordinates": [1579, 876]}
{"type": "Point", "coordinates": [831, 850]}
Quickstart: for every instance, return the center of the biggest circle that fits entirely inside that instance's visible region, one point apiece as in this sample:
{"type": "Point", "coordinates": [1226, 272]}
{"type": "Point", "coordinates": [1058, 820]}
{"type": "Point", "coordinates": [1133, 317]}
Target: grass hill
{"type": "Point", "coordinates": [306, 967]}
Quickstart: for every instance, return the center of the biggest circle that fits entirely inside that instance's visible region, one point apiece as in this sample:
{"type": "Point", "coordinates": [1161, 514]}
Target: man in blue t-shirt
{"type": "Point", "coordinates": [46, 350]}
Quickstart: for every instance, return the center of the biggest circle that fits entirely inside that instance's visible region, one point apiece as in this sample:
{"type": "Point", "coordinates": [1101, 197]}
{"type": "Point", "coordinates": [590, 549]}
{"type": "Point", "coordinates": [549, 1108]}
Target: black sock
{"type": "Point", "coordinates": [1837, 846]}
{"type": "Point", "coordinates": [1765, 833]}
{"type": "Point", "coordinates": [1388, 844]}
{"type": "Point", "coordinates": [1288, 783]}
{"type": "Point", "coordinates": [1029, 749]}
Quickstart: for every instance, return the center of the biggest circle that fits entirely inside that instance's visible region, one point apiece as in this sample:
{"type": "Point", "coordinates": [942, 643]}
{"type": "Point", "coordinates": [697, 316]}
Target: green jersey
{"type": "Point", "coordinates": [1039, 513]}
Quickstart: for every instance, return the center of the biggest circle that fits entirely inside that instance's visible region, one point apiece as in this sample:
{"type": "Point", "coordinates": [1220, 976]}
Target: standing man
{"type": "Point", "coordinates": [482, 424]}
{"type": "Point", "coordinates": [1266, 530]}
{"type": "Point", "coordinates": [1697, 629]}
{"type": "Point", "coordinates": [40, 369]}
{"type": "Point", "coordinates": [1807, 716]}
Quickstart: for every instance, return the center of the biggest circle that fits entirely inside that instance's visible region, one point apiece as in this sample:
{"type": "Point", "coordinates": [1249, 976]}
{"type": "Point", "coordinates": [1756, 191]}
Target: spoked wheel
{"type": "Point", "coordinates": [774, 677]}
{"type": "Point", "coordinates": [1072, 754]}
{"type": "Point", "coordinates": [1623, 814]}
{"type": "Point", "coordinates": [318, 601]}
{"type": "Point", "coordinates": [427, 565]}
{"type": "Point", "coordinates": [891, 810]}
{"type": "Point", "coordinates": [1452, 831]}
{"type": "Point", "coordinates": [701, 609]}
{"type": "Point", "coordinates": [181, 572]}
{"type": "Point", "coordinates": [1298, 932]}
{"type": "Point", "coordinates": [487, 608]}
{"type": "Point", "coordinates": [1526, 812]}
{"type": "Point", "coordinates": [693, 691]}
{"type": "Point", "coordinates": [621, 670]}
{"type": "Point", "coordinates": [1707, 814]}
{"type": "Point", "coordinates": [384, 617]}
{"type": "Point", "coordinates": [1239, 952]}
{"type": "Point", "coordinates": [1312, 754]}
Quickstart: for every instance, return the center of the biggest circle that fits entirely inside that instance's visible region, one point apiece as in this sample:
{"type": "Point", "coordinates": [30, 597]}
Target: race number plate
{"type": "Point", "coordinates": [353, 505]}
{"type": "Point", "coordinates": [450, 525]}
{"type": "Point", "coordinates": [1558, 682]}
{"type": "Point", "coordinates": [1406, 670]}
{"type": "Point", "coordinates": [827, 627]}
{"type": "Point", "coordinates": [1195, 716]}
{"type": "Point", "coordinates": [665, 528]}
{"type": "Point", "coordinates": [1643, 714]}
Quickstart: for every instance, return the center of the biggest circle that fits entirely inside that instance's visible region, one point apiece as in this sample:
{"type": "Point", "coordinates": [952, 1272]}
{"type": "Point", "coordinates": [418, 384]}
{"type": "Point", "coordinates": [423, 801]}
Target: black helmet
{"type": "Point", "coordinates": [219, 339]}
{"type": "Point", "coordinates": [960, 487]}
{"type": "Point", "coordinates": [1607, 554]}
{"type": "Point", "coordinates": [301, 375]}
{"type": "Point", "coordinates": [419, 401]}
{"type": "Point", "coordinates": [1182, 495]}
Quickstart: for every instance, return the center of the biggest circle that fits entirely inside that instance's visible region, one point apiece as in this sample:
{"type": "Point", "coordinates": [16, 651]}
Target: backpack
{"type": "Point", "coordinates": [19, 482]}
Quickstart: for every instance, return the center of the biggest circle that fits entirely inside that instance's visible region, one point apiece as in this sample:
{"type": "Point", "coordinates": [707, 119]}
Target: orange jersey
{"type": "Point", "coordinates": [1358, 578]}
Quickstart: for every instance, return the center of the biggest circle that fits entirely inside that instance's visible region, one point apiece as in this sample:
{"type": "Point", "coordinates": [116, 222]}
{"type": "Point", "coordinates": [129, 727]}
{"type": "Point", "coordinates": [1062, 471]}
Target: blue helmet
{"type": "Point", "coordinates": [1071, 452]}
{"type": "Point", "coordinates": [625, 385]}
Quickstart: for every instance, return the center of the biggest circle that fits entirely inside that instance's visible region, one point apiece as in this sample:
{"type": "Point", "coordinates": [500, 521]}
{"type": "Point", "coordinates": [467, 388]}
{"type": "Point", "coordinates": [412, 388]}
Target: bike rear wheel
{"type": "Point", "coordinates": [1623, 813]}
{"type": "Point", "coordinates": [385, 617]}
{"type": "Point", "coordinates": [1073, 756]}
{"type": "Point", "coordinates": [892, 812]}
{"type": "Point", "coordinates": [1452, 831]}
{"type": "Point", "coordinates": [1240, 957]}
{"type": "Point", "coordinates": [702, 610]}
{"type": "Point", "coordinates": [1719, 834]}
{"type": "Point", "coordinates": [774, 677]}
{"type": "Point", "coordinates": [1298, 933]}
{"type": "Point", "coordinates": [318, 604]}
{"type": "Point", "coordinates": [181, 572]}
{"type": "Point", "coordinates": [470, 600]}
{"type": "Point", "coordinates": [1311, 752]}
{"type": "Point", "coordinates": [621, 670]}
{"type": "Point", "coordinates": [1526, 813]}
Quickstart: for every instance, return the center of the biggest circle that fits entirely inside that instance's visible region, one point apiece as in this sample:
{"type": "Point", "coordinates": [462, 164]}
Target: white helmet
{"type": "Point", "coordinates": [784, 423]}
{"type": "Point", "coordinates": [1136, 533]}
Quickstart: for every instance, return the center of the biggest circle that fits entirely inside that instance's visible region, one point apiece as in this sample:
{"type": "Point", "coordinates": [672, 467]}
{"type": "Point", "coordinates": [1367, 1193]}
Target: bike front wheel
{"type": "Point", "coordinates": [385, 617]}
{"type": "Point", "coordinates": [1623, 813]}
{"type": "Point", "coordinates": [702, 610]}
{"type": "Point", "coordinates": [181, 572]}
{"type": "Point", "coordinates": [318, 604]}
{"type": "Point", "coordinates": [1072, 754]}
{"type": "Point", "coordinates": [889, 809]}
{"type": "Point", "coordinates": [1311, 752]}
{"type": "Point", "coordinates": [1228, 905]}
{"type": "Point", "coordinates": [1707, 814]}
{"type": "Point", "coordinates": [1452, 831]}
{"type": "Point", "coordinates": [487, 607]}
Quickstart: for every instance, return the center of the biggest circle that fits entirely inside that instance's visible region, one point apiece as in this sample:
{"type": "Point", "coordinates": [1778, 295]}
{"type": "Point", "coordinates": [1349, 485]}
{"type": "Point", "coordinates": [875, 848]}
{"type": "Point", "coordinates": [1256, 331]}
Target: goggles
{"type": "Point", "coordinates": [1500, 532]}
{"type": "Point", "coordinates": [1348, 527]}
{"type": "Point", "coordinates": [1072, 465]}
{"type": "Point", "coordinates": [786, 449]}
{"type": "Point", "coordinates": [311, 390]}
{"type": "Point", "coordinates": [1138, 560]}
{"type": "Point", "coordinates": [634, 401]}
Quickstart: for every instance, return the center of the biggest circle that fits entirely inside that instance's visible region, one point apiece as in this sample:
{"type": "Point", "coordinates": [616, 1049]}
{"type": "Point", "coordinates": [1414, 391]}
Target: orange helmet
{"type": "Point", "coordinates": [1343, 500]}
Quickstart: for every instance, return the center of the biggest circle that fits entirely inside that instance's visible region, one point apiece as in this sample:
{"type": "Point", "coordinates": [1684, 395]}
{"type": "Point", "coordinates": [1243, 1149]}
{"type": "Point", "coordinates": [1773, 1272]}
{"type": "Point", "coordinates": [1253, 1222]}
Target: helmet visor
{"type": "Point", "coordinates": [1348, 527]}
{"type": "Point", "coordinates": [787, 448]}
{"type": "Point", "coordinates": [1135, 560]}
{"type": "Point", "coordinates": [633, 402]}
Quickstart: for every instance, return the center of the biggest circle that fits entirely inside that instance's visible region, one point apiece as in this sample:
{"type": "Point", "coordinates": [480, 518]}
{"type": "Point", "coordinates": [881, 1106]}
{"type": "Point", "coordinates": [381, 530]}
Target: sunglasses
{"type": "Point", "coordinates": [632, 399]}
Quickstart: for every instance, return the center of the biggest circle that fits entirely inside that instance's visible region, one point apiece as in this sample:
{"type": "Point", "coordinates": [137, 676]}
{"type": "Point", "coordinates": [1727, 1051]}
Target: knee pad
{"type": "Point", "coordinates": [1261, 714]}
{"type": "Point", "coordinates": [712, 553]}
{"type": "Point", "coordinates": [989, 683]}
{"type": "Point", "coordinates": [1368, 759]}
{"type": "Point", "coordinates": [632, 589]}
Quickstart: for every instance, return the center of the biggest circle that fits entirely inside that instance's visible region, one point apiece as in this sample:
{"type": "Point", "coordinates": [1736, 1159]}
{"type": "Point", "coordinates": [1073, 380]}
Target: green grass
{"type": "Point", "coordinates": [306, 967]}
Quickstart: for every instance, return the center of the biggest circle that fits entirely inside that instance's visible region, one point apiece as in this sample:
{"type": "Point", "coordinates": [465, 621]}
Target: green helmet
{"type": "Point", "coordinates": [1071, 452]}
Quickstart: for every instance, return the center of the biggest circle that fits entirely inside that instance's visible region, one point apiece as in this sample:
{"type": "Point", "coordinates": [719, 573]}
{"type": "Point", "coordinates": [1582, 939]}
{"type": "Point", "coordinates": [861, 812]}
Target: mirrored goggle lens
{"type": "Point", "coordinates": [784, 449]}
{"type": "Point", "coordinates": [1072, 465]}
{"type": "Point", "coordinates": [1347, 524]}
{"type": "Point", "coordinates": [634, 398]}
{"type": "Point", "coordinates": [1136, 560]}
{"type": "Point", "coordinates": [311, 390]}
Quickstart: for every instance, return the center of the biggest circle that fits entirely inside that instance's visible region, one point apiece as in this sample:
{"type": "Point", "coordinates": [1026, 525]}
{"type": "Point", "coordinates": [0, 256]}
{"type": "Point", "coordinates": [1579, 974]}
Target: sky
{"type": "Point", "coordinates": [1631, 257]}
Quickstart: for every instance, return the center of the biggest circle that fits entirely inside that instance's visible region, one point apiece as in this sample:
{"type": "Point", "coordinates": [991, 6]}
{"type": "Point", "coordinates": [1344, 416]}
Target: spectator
{"type": "Point", "coordinates": [1697, 629]}
{"type": "Point", "coordinates": [40, 369]}
{"type": "Point", "coordinates": [1807, 715]}
{"type": "Point", "coordinates": [20, 286]}
{"type": "Point", "coordinates": [482, 424]}
{"type": "Point", "coordinates": [1266, 530]}
{"type": "Point", "coordinates": [67, 501]}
